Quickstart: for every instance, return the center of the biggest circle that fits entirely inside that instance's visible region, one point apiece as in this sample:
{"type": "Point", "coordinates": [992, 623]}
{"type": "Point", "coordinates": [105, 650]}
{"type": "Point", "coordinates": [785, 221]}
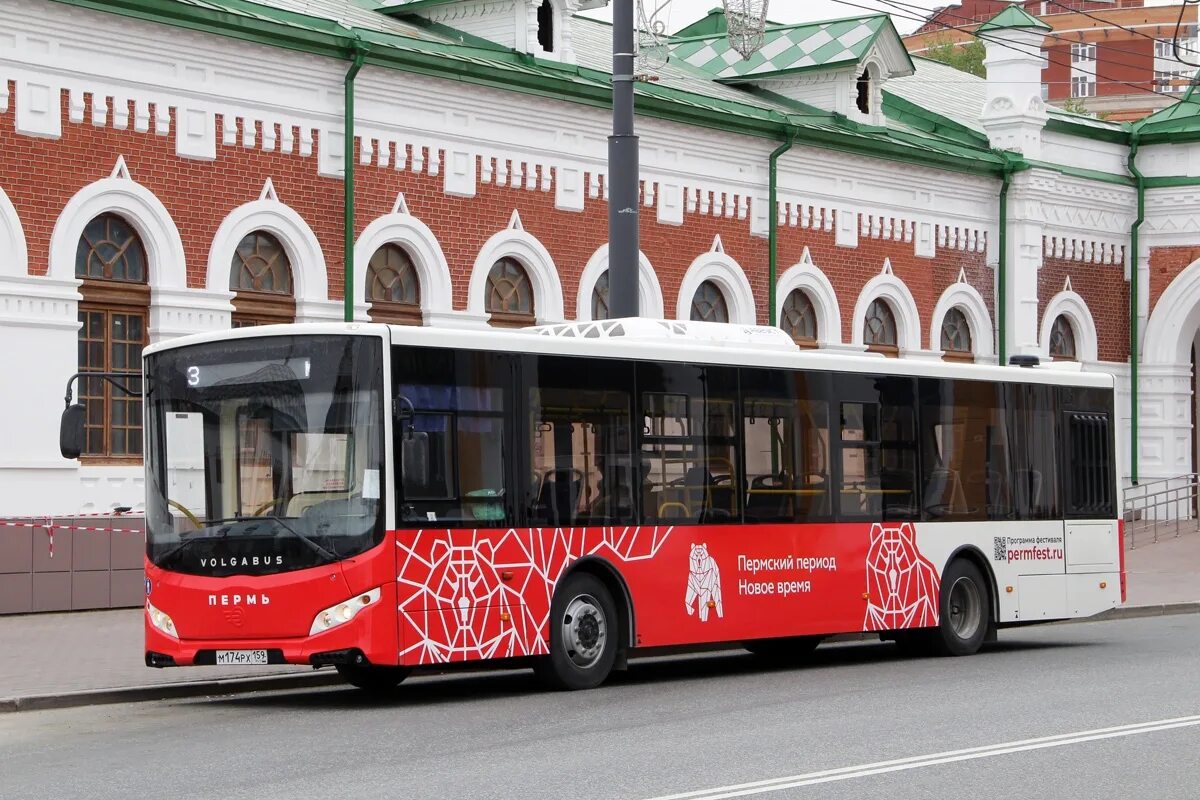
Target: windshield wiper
{"type": "Point", "coordinates": [316, 547]}
{"type": "Point", "coordinates": [192, 539]}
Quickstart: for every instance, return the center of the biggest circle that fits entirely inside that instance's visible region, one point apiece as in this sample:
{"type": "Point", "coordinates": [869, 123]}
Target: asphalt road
{"type": "Point", "coordinates": [1107, 709]}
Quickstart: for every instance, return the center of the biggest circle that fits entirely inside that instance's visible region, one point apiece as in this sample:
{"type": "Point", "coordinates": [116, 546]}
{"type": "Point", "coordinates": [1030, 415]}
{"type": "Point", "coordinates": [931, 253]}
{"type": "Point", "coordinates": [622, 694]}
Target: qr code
{"type": "Point", "coordinates": [1001, 548]}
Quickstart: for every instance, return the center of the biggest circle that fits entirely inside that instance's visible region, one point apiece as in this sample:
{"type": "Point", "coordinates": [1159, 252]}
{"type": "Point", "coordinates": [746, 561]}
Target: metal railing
{"type": "Point", "coordinates": [1165, 503]}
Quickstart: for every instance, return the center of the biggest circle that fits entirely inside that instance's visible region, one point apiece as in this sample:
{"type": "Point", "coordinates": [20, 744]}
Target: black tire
{"type": "Point", "coordinates": [583, 635]}
{"type": "Point", "coordinates": [372, 678]}
{"type": "Point", "coordinates": [964, 612]}
{"type": "Point", "coordinates": [791, 648]}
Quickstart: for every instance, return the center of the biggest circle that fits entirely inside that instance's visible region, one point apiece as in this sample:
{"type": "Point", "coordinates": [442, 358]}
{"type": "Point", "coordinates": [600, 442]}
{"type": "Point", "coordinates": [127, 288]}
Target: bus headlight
{"type": "Point", "coordinates": [343, 612]}
{"type": "Point", "coordinates": [161, 621]}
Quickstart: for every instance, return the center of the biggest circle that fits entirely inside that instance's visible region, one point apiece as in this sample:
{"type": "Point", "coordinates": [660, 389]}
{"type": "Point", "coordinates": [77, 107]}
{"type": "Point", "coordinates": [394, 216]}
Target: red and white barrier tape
{"type": "Point", "coordinates": [50, 526]}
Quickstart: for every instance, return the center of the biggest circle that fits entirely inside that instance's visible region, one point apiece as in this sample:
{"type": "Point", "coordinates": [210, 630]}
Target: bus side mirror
{"type": "Point", "coordinates": [70, 430]}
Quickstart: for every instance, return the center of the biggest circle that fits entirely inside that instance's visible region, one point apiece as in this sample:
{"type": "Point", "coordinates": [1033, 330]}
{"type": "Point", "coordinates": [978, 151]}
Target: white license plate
{"type": "Point", "coordinates": [241, 656]}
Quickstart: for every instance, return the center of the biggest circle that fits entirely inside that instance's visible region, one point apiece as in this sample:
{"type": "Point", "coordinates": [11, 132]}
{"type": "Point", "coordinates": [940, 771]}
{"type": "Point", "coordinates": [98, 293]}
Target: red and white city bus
{"type": "Point", "coordinates": [383, 498]}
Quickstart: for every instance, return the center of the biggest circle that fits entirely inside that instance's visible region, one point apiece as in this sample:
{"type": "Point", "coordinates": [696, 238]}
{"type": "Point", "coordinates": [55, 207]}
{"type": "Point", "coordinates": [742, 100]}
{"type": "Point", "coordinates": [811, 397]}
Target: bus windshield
{"type": "Point", "coordinates": [264, 455]}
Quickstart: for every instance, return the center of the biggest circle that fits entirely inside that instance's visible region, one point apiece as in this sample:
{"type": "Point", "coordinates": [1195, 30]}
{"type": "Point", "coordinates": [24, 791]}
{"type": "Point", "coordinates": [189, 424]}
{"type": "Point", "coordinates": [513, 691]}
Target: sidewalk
{"type": "Point", "coordinates": [53, 660]}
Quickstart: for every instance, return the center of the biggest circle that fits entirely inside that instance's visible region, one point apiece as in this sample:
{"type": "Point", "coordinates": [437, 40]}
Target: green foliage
{"type": "Point", "coordinates": [966, 57]}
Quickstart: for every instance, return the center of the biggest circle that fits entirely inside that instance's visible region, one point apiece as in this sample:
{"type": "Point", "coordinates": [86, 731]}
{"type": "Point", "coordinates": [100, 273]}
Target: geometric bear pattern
{"type": "Point", "coordinates": [465, 595]}
{"type": "Point", "coordinates": [902, 586]}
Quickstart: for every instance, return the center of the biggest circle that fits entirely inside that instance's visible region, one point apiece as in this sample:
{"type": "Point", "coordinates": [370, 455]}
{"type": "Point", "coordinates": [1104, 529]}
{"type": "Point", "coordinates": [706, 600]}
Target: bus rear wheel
{"type": "Point", "coordinates": [965, 611]}
{"type": "Point", "coordinates": [583, 635]}
{"type": "Point", "coordinates": [373, 678]}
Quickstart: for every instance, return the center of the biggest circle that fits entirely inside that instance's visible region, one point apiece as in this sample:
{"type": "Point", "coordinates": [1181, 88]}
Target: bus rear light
{"type": "Point", "coordinates": [342, 612]}
{"type": "Point", "coordinates": [161, 621]}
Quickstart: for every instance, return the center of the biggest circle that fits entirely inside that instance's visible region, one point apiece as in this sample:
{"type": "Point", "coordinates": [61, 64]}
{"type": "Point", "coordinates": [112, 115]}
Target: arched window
{"type": "Point", "coordinates": [545, 22]}
{"type": "Point", "coordinates": [600, 308]}
{"type": "Point", "coordinates": [799, 318]}
{"type": "Point", "coordinates": [393, 288]}
{"type": "Point", "coordinates": [709, 304]}
{"type": "Point", "coordinates": [956, 337]}
{"type": "Point", "coordinates": [113, 316]}
{"type": "Point", "coordinates": [1062, 340]}
{"type": "Point", "coordinates": [261, 277]}
{"type": "Point", "coordinates": [509, 295]}
{"type": "Point", "coordinates": [879, 329]}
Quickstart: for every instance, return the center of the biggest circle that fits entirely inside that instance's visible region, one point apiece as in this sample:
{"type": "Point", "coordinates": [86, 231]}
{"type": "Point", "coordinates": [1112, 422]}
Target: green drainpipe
{"type": "Point", "coordinates": [1002, 267]}
{"type": "Point", "coordinates": [359, 55]}
{"type": "Point", "coordinates": [1133, 306]}
{"type": "Point", "coordinates": [773, 225]}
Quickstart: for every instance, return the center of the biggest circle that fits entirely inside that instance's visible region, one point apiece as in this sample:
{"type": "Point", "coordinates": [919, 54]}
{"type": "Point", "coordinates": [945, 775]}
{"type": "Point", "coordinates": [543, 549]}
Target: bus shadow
{"type": "Point", "coordinates": [501, 684]}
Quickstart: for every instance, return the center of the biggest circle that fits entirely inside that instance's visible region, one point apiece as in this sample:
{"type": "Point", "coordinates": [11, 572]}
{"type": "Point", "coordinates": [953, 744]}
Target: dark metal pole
{"type": "Point", "coordinates": [623, 194]}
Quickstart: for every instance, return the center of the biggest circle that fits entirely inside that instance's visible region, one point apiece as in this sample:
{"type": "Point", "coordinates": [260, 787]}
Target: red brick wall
{"type": "Point", "coordinates": [41, 175]}
{"type": "Point", "coordinates": [1165, 264]}
{"type": "Point", "coordinates": [1104, 290]}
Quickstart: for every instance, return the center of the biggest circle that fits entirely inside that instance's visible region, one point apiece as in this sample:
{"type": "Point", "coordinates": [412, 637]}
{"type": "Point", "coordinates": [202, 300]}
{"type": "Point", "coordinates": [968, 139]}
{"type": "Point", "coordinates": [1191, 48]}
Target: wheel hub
{"type": "Point", "coordinates": [966, 608]}
{"type": "Point", "coordinates": [585, 631]}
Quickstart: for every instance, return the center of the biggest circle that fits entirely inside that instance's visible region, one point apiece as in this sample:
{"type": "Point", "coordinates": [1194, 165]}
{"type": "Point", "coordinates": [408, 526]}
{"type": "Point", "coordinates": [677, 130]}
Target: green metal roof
{"type": "Point", "coordinates": [1014, 17]}
{"type": "Point", "coordinates": [786, 48]}
{"type": "Point", "coordinates": [1179, 119]}
{"type": "Point", "coordinates": [683, 93]}
{"type": "Point", "coordinates": [711, 24]}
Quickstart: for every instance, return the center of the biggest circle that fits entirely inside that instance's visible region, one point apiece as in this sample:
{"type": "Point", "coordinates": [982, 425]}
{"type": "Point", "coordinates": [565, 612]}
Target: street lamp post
{"type": "Point", "coordinates": [623, 189]}
{"type": "Point", "coordinates": [746, 20]}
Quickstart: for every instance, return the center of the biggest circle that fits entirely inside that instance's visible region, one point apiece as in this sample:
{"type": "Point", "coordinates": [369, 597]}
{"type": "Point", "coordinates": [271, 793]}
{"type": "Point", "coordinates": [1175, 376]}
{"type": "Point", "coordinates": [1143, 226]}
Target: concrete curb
{"type": "Point", "coordinates": [1134, 612]}
{"type": "Point", "coordinates": [169, 691]}
{"type": "Point", "coordinates": [327, 677]}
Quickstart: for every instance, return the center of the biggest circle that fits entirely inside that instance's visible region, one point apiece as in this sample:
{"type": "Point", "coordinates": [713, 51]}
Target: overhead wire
{"type": "Point", "coordinates": [945, 12]}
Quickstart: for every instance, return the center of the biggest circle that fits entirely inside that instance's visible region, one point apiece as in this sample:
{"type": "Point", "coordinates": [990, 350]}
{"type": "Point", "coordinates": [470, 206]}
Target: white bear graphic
{"type": "Point", "coordinates": [704, 583]}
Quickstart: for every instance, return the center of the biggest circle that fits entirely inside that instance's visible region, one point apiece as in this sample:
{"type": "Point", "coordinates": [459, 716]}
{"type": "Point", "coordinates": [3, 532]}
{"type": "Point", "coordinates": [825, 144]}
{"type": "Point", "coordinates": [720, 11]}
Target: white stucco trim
{"type": "Point", "coordinates": [908, 321]}
{"type": "Point", "coordinates": [310, 280]}
{"type": "Point", "coordinates": [433, 270]}
{"type": "Point", "coordinates": [1087, 343]}
{"type": "Point", "coordinates": [807, 277]}
{"type": "Point", "coordinates": [1174, 321]}
{"type": "Point", "coordinates": [650, 296]}
{"type": "Point", "coordinates": [533, 255]}
{"type": "Point", "coordinates": [141, 209]}
{"type": "Point", "coordinates": [14, 253]}
{"type": "Point", "coordinates": [965, 297]}
{"type": "Point", "coordinates": [721, 269]}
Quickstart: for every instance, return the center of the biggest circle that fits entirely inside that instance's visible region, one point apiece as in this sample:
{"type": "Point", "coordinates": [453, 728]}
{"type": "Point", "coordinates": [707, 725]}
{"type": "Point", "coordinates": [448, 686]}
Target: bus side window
{"type": "Point", "coordinates": [1089, 479]}
{"type": "Point", "coordinates": [859, 494]}
{"type": "Point", "coordinates": [690, 470]}
{"type": "Point", "coordinates": [580, 443]}
{"type": "Point", "coordinates": [1033, 428]}
{"type": "Point", "coordinates": [785, 433]}
{"type": "Point", "coordinates": [964, 447]}
{"type": "Point", "coordinates": [453, 440]}
{"type": "Point", "coordinates": [898, 449]}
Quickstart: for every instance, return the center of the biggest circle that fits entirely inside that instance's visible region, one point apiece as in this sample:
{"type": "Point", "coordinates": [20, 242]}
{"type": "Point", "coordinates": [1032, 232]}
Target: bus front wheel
{"type": "Point", "coordinates": [373, 678]}
{"type": "Point", "coordinates": [583, 635]}
{"type": "Point", "coordinates": [965, 611]}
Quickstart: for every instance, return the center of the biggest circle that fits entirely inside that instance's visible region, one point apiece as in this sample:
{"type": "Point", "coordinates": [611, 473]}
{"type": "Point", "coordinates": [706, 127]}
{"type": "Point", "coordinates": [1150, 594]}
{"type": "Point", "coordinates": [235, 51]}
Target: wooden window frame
{"type": "Point", "coordinates": [114, 297]}
{"type": "Point", "coordinates": [510, 319]}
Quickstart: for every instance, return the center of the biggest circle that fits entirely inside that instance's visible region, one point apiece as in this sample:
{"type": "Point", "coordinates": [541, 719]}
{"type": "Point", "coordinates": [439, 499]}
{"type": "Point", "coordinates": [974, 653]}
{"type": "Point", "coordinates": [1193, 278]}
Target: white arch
{"type": "Point", "coordinates": [807, 277]}
{"type": "Point", "coordinates": [966, 298]}
{"type": "Point", "coordinates": [543, 274]}
{"type": "Point", "coordinates": [721, 269]}
{"type": "Point", "coordinates": [309, 277]}
{"type": "Point", "coordinates": [14, 253]}
{"type": "Point", "coordinates": [908, 321]}
{"type": "Point", "coordinates": [1175, 319]}
{"type": "Point", "coordinates": [141, 209]}
{"type": "Point", "coordinates": [433, 271]}
{"type": "Point", "coordinates": [1087, 344]}
{"type": "Point", "coordinates": [650, 296]}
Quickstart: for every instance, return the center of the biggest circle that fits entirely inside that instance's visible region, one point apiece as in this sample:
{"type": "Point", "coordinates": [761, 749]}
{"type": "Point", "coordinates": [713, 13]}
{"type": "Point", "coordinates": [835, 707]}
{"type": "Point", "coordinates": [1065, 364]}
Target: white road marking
{"type": "Point", "coordinates": [934, 759]}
